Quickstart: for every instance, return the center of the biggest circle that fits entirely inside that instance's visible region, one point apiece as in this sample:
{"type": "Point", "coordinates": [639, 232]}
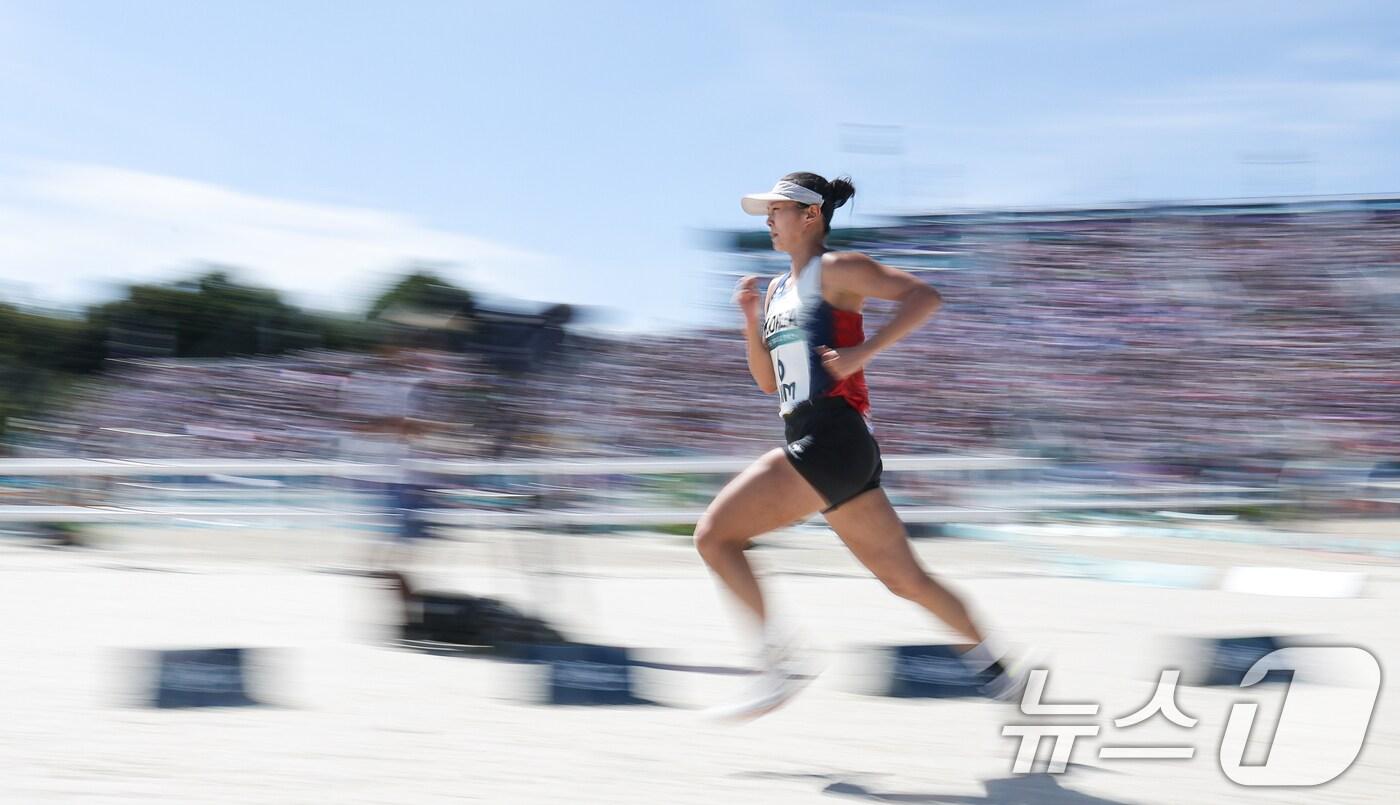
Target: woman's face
{"type": "Point", "coordinates": [790, 224]}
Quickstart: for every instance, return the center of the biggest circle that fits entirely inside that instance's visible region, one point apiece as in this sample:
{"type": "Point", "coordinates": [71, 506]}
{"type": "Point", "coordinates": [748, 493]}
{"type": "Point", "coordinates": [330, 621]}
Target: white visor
{"type": "Point", "coordinates": [757, 203]}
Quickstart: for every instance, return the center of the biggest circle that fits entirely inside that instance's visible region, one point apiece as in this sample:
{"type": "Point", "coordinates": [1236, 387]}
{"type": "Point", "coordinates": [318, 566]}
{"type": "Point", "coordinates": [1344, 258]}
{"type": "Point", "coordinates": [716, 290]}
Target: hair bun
{"type": "Point", "coordinates": [841, 190]}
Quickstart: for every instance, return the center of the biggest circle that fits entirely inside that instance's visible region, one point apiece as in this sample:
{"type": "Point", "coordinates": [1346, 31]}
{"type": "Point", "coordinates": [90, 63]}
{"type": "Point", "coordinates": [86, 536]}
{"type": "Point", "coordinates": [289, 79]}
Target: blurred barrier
{"type": "Point", "coordinates": [205, 677]}
{"type": "Point", "coordinates": [643, 466]}
{"type": "Point", "coordinates": [1300, 540]}
{"type": "Point", "coordinates": [244, 489]}
{"type": "Point", "coordinates": [582, 674]}
{"type": "Point", "coordinates": [1224, 661]}
{"type": "Point", "coordinates": [929, 672]}
{"type": "Point", "coordinates": [149, 468]}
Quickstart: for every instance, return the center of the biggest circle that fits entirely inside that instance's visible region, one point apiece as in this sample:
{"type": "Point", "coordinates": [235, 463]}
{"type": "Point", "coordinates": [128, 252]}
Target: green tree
{"type": "Point", "coordinates": [423, 289]}
{"type": "Point", "coordinates": [208, 316]}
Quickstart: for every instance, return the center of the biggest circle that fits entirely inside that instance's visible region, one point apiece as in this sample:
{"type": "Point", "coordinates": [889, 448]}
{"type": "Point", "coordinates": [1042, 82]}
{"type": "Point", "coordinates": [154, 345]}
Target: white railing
{"type": "Point", "coordinates": [155, 467]}
{"type": "Point", "coordinates": [1010, 501]}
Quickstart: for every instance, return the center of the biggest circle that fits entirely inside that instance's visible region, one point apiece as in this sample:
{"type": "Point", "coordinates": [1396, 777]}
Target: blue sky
{"type": "Point", "coordinates": [572, 151]}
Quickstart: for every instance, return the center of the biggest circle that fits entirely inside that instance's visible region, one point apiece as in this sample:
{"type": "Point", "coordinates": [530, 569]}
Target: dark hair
{"type": "Point", "coordinates": [834, 193]}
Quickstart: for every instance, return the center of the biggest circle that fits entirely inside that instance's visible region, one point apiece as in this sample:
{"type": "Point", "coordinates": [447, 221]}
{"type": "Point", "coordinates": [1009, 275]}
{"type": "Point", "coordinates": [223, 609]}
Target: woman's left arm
{"type": "Point", "coordinates": [854, 274]}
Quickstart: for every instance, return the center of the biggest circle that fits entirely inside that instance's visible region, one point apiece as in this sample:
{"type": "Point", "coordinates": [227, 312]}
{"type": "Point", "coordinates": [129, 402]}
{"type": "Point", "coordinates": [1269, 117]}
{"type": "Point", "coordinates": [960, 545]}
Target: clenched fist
{"type": "Point", "coordinates": [747, 297]}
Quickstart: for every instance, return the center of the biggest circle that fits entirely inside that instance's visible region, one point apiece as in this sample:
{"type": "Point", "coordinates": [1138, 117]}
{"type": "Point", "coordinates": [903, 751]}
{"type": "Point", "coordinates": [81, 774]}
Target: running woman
{"type": "Point", "coordinates": [805, 342]}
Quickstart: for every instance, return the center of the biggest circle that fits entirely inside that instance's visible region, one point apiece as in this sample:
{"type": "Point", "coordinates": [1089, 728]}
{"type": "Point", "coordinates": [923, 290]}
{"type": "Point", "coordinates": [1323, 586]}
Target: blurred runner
{"type": "Point", "coordinates": [806, 343]}
{"type": "Point", "coordinates": [385, 405]}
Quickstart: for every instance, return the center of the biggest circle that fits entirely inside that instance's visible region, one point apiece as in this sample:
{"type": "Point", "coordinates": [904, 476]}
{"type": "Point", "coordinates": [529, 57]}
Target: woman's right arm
{"type": "Point", "coordinates": [760, 364]}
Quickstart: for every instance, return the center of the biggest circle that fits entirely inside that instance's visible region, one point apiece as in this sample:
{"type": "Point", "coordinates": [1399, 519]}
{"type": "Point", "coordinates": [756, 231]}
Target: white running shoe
{"type": "Point", "coordinates": [786, 671]}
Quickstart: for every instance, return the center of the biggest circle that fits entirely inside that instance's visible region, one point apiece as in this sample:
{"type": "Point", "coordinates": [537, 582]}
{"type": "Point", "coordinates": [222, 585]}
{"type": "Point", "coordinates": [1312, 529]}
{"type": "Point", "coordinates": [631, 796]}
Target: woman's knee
{"type": "Point", "coordinates": [710, 539]}
{"type": "Point", "coordinates": [909, 585]}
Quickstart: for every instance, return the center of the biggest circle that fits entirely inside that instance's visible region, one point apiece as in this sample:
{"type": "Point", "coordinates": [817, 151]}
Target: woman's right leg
{"type": "Point", "coordinates": [768, 495]}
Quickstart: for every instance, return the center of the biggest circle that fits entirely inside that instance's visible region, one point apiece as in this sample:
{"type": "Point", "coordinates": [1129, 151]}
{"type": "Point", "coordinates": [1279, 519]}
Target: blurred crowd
{"type": "Point", "coordinates": [1206, 336]}
{"type": "Point", "coordinates": [1213, 338]}
{"type": "Point", "coordinates": [285, 407]}
{"type": "Point", "coordinates": [1198, 335]}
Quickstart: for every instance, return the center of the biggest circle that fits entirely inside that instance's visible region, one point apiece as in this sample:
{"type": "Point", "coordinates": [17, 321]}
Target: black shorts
{"type": "Point", "coordinates": [831, 446]}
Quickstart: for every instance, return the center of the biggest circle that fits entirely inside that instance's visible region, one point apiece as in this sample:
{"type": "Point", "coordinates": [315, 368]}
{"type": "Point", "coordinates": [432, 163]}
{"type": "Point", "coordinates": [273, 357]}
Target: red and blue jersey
{"type": "Point", "coordinates": [796, 322]}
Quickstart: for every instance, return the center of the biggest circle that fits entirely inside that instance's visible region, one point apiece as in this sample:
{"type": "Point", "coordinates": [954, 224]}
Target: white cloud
{"type": "Point", "coordinates": [1195, 140]}
{"type": "Point", "coordinates": [1346, 54]}
{"type": "Point", "coordinates": [70, 232]}
{"type": "Point", "coordinates": [1239, 108]}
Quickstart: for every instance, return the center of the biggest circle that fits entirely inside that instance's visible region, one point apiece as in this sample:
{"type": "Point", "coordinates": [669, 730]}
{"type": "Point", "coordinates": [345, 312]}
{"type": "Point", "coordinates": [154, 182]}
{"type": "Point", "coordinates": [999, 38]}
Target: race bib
{"type": "Point", "coordinates": [788, 349]}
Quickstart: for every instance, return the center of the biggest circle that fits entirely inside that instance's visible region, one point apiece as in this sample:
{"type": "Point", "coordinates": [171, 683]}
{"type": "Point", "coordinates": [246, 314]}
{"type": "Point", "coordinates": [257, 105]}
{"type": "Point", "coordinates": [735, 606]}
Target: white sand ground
{"type": "Point", "coordinates": [358, 722]}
